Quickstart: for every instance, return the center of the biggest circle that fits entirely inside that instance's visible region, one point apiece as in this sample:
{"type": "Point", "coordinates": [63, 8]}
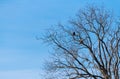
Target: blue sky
{"type": "Point", "coordinates": [21, 55]}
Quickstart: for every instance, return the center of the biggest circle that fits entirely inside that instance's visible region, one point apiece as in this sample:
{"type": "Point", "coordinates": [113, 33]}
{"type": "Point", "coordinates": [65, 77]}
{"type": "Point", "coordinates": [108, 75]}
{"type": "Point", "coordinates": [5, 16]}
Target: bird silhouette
{"type": "Point", "coordinates": [81, 41]}
{"type": "Point", "coordinates": [74, 34]}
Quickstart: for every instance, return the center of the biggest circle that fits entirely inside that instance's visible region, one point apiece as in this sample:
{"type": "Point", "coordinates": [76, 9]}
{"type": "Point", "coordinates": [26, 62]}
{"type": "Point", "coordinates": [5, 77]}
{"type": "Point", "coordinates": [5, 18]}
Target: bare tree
{"type": "Point", "coordinates": [88, 47]}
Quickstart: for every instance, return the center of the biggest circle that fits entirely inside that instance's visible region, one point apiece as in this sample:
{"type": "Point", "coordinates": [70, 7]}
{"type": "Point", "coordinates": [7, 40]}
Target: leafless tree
{"type": "Point", "coordinates": [88, 47]}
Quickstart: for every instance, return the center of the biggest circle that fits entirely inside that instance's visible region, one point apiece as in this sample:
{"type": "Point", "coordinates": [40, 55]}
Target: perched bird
{"type": "Point", "coordinates": [81, 41]}
{"type": "Point", "coordinates": [73, 33]}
